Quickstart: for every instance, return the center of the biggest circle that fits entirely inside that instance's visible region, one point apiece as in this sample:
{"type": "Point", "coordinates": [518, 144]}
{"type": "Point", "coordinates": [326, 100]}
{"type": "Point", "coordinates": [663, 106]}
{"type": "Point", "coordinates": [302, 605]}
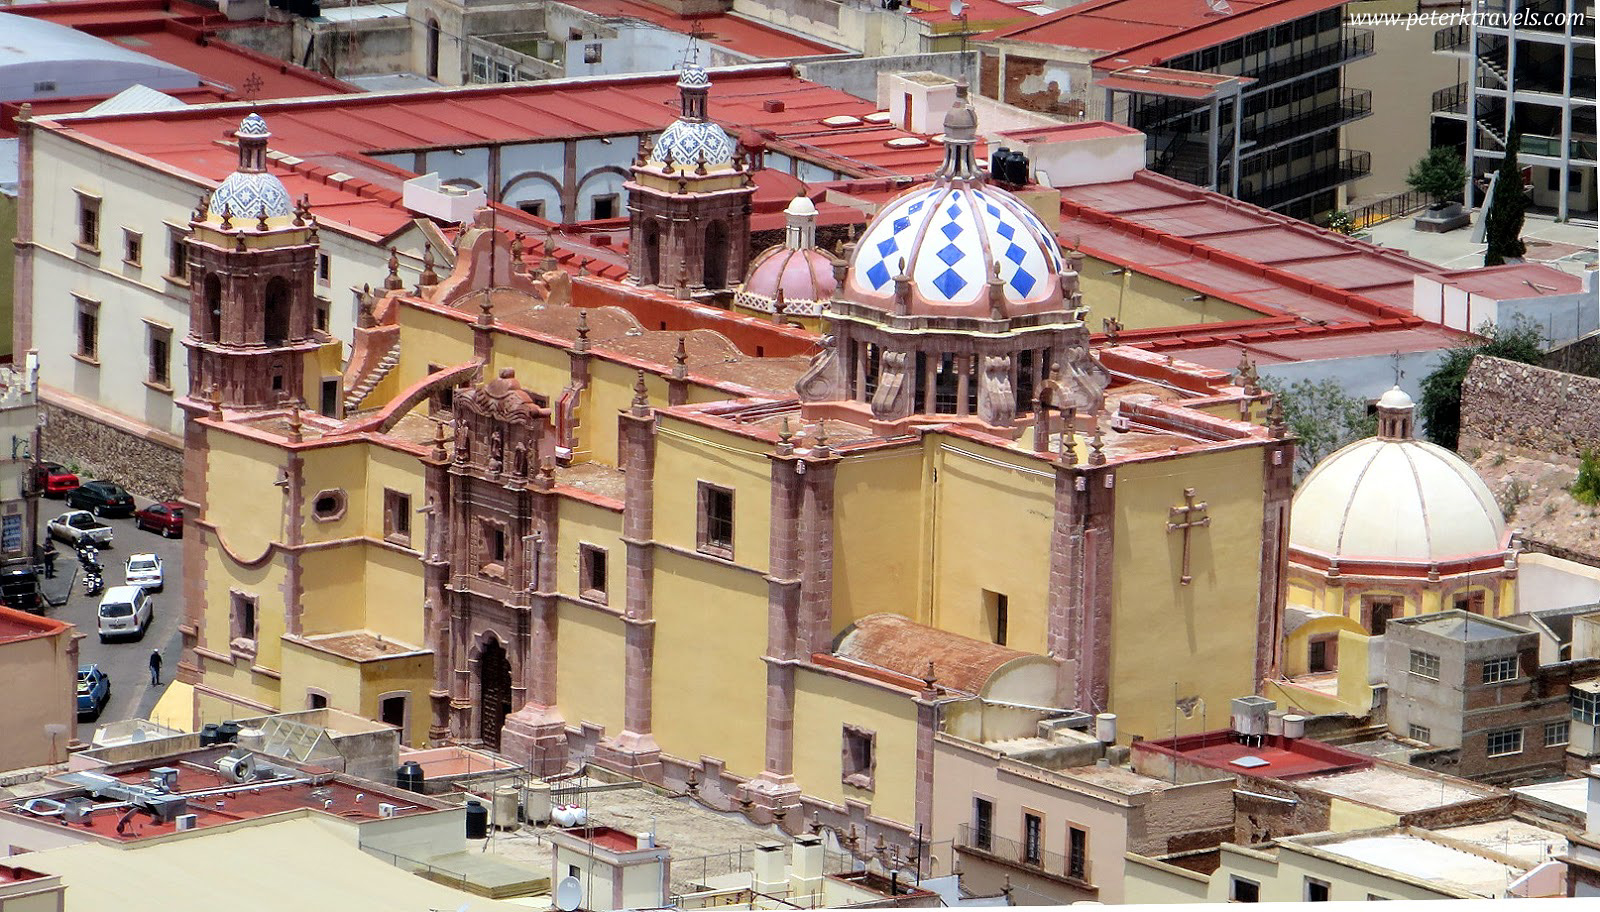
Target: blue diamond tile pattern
{"type": "Point", "coordinates": [951, 254]}
{"type": "Point", "coordinates": [246, 194]}
{"type": "Point", "coordinates": [949, 283]}
{"type": "Point", "coordinates": [1022, 282]}
{"type": "Point", "coordinates": [1016, 254]}
{"type": "Point", "coordinates": [687, 140]}
{"type": "Point", "coordinates": [901, 224]}
{"type": "Point", "coordinates": [951, 230]}
{"type": "Point", "coordinates": [1006, 230]}
{"type": "Point", "coordinates": [878, 275]}
{"type": "Point", "coordinates": [888, 246]}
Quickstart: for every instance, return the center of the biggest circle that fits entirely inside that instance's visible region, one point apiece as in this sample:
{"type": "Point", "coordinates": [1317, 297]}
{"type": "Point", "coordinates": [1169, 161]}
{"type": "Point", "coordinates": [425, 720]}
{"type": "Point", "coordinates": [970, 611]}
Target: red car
{"type": "Point", "coordinates": [165, 517]}
{"type": "Point", "coordinates": [55, 480]}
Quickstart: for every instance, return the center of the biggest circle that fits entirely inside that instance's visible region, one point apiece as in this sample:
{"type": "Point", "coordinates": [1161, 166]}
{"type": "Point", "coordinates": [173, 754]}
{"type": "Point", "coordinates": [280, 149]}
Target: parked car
{"type": "Point", "coordinates": [144, 571]}
{"type": "Point", "coordinates": [102, 498]}
{"type": "Point", "coordinates": [19, 586]}
{"type": "Point", "coordinates": [94, 691]}
{"type": "Point", "coordinates": [54, 479]}
{"type": "Point", "coordinates": [79, 527]}
{"type": "Point", "coordinates": [165, 517]}
{"type": "Point", "coordinates": [125, 611]}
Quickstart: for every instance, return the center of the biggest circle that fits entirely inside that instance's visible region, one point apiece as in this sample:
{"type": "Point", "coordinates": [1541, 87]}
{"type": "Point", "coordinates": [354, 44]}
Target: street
{"type": "Point", "coordinates": [127, 662]}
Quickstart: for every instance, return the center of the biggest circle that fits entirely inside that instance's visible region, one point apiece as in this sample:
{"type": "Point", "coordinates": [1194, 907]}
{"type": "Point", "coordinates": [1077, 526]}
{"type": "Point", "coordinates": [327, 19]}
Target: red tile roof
{"type": "Point", "coordinates": [1512, 281]}
{"type": "Point", "coordinates": [1149, 32]}
{"type": "Point", "coordinates": [20, 625]}
{"type": "Point", "coordinates": [1286, 758]}
{"type": "Point", "coordinates": [736, 33]}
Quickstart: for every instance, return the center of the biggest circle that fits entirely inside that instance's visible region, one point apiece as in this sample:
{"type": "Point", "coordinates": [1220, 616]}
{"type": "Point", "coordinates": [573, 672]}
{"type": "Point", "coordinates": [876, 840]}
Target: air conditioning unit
{"type": "Point", "coordinates": [387, 810]}
{"type": "Point", "coordinates": [239, 768]}
{"type": "Point", "coordinates": [187, 821]}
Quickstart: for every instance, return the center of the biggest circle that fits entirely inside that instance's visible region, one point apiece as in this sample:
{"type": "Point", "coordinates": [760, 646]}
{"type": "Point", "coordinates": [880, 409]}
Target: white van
{"type": "Point", "coordinates": [125, 611]}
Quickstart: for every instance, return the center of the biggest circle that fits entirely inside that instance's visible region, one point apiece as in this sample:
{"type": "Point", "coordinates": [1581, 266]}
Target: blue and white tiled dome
{"type": "Point", "coordinates": [692, 76]}
{"type": "Point", "coordinates": [254, 125]}
{"type": "Point", "coordinates": [686, 140]}
{"type": "Point", "coordinates": [950, 235]}
{"type": "Point", "coordinates": [245, 193]}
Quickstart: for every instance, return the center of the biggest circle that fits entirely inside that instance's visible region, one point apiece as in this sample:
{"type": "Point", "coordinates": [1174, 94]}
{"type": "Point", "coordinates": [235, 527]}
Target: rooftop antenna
{"type": "Point", "coordinates": [691, 51]}
{"type": "Point", "coordinates": [958, 9]}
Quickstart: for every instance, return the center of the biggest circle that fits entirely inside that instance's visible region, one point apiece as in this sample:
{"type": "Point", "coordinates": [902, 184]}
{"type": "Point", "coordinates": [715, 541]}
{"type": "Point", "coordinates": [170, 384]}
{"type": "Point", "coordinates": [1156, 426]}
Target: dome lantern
{"type": "Point", "coordinates": [251, 192]}
{"type": "Point", "coordinates": [1395, 415]}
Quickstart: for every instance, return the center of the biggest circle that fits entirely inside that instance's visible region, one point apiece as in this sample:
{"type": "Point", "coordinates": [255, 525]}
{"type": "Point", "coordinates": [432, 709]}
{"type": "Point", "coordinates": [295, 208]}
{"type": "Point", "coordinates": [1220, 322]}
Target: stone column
{"type": "Point", "coordinates": [1279, 474]}
{"type": "Point", "coordinates": [536, 734]}
{"type": "Point", "coordinates": [22, 310]}
{"type": "Point", "coordinates": [775, 787]}
{"type": "Point", "coordinates": [435, 594]}
{"type": "Point", "coordinates": [196, 450]}
{"type": "Point", "coordinates": [1079, 616]}
{"type": "Point", "coordinates": [927, 726]}
{"type": "Point", "coordinates": [634, 749]}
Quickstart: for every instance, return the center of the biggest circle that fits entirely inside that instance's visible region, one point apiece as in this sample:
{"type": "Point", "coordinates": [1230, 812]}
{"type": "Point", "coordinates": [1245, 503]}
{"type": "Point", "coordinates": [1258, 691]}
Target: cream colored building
{"type": "Point", "coordinates": [38, 674]}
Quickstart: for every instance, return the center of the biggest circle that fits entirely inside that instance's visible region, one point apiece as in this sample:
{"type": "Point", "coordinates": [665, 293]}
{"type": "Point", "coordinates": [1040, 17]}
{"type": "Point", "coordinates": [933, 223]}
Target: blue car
{"type": "Point", "coordinates": [94, 691]}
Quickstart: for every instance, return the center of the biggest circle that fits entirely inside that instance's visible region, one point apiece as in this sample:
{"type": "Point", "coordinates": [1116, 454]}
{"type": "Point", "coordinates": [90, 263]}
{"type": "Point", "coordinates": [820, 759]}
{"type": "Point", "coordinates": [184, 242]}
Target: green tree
{"type": "Point", "coordinates": [1440, 408]}
{"type": "Point", "coordinates": [1323, 416]}
{"type": "Point", "coordinates": [1439, 174]}
{"type": "Point", "coordinates": [1503, 217]}
{"type": "Point", "coordinates": [1586, 487]}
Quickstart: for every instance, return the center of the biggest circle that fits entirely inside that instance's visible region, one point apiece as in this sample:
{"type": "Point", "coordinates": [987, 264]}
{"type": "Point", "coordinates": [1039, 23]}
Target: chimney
{"type": "Point", "coordinates": [805, 875]}
{"type": "Point", "coordinates": [1294, 726]}
{"type": "Point", "coordinates": [1105, 728]}
{"type": "Point", "coordinates": [770, 877]}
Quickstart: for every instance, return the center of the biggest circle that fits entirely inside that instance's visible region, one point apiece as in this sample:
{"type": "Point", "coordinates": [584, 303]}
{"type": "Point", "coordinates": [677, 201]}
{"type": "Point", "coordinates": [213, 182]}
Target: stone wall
{"type": "Point", "coordinates": [141, 465]}
{"type": "Point", "coordinates": [1522, 405]}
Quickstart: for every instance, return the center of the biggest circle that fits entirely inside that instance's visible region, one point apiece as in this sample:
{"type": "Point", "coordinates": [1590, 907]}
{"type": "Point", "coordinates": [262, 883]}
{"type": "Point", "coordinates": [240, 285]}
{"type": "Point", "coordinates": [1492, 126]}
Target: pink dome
{"type": "Point", "coordinates": [804, 276]}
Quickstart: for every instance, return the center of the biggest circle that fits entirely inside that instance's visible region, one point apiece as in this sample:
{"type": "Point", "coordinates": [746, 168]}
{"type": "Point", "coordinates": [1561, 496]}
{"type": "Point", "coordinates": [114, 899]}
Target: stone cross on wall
{"type": "Point", "coordinates": [1192, 517]}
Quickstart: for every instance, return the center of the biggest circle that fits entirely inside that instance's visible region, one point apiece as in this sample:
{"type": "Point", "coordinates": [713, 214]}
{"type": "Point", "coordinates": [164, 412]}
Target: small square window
{"type": "Point", "coordinates": [716, 521]}
{"type": "Point", "coordinates": [592, 573]}
{"type": "Point", "coordinates": [392, 711]}
{"type": "Point", "coordinates": [1424, 664]}
{"type": "Point", "coordinates": [132, 247]}
{"type": "Point", "coordinates": [534, 208]}
{"type": "Point", "coordinates": [328, 505]}
{"type": "Point", "coordinates": [480, 68]}
{"type": "Point", "coordinates": [397, 517]}
{"type": "Point", "coordinates": [604, 207]}
{"type": "Point", "coordinates": [177, 255]}
{"type": "Point", "coordinates": [324, 268]}
{"type": "Point", "coordinates": [593, 52]}
{"type": "Point", "coordinates": [858, 759]}
{"type": "Point", "coordinates": [1244, 891]}
{"type": "Point", "coordinates": [1505, 742]}
{"type": "Point", "coordinates": [244, 617]}
{"type": "Point", "coordinates": [1557, 734]}
{"type": "Point", "coordinates": [492, 549]}
{"type": "Point", "coordinates": [89, 222]}
{"type": "Point", "coordinates": [1317, 890]}
{"type": "Point", "coordinates": [1499, 669]}
{"type": "Point", "coordinates": [1419, 733]}
{"type": "Point", "coordinates": [1469, 601]}
{"type": "Point", "coordinates": [1585, 706]}
{"type": "Point", "coordinates": [320, 316]}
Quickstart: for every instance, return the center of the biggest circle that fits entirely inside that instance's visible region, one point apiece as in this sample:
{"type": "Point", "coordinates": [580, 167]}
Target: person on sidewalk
{"type": "Point", "coordinates": [155, 666]}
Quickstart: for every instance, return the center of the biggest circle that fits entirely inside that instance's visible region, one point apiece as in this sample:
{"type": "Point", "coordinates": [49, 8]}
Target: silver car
{"type": "Point", "coordinates": [144, 571]}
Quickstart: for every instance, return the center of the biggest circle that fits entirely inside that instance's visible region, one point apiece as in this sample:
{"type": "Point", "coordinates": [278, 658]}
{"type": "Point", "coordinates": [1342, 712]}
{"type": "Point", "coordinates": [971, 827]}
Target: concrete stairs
{"type": "Point", "coordinates": [368, 383]}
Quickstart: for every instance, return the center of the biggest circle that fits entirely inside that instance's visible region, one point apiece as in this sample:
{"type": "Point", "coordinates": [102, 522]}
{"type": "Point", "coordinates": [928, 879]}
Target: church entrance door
{"type": "Point", "coordinates": [494, 693]}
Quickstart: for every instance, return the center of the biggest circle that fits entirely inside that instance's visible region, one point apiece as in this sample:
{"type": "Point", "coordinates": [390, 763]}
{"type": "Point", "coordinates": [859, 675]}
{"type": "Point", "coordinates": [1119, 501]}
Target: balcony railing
{"type": "Point", "coordinates": [1352, 105]}
{"type": "Point", "coordinates": [1452, 100]}
{"type": "Point", "coordinates": [1550, 146]}
{"type": "Point", "coordinates": [1353, 45]}
{"type": "Point", "coordinates": [1076, 871]}
{"type": "Point", "coordinates": [1350, 166]}
{"type": "Point", "coordinates": [1452, 37]}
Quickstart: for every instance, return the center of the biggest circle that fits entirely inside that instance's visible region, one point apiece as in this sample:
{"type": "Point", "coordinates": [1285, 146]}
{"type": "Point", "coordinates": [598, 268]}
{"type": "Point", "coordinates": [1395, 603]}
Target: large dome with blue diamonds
{"type": "Point", "coordinates": [949, 235]}
{"type": "Point", "coordinates": [244, 194]}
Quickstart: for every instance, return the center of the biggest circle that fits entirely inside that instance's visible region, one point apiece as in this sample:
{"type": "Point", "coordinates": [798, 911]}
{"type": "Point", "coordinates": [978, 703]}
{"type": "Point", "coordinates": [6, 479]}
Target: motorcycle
{"type": "Point", "coordinates": [93, 584]}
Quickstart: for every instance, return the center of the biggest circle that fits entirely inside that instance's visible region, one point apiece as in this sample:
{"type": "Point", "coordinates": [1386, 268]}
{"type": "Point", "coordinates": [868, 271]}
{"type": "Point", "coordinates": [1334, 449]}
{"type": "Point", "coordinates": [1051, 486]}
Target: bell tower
{"type": "Point", "coordinates": [689, 201]}
{"type": "Point", "coordinates": [252, 275]}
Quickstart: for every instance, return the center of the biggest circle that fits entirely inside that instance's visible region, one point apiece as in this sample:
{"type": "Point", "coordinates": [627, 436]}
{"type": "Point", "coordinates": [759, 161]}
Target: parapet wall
{"type": "Point", "coordinates": [1522, 405]}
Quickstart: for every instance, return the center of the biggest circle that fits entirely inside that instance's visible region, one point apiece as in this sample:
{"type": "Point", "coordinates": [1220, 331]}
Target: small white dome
{"type": "Point", "coordinates": [1401, 500]}
{"type": "Point", "coordinates": [1395, 398]}
{"type": "Point", "coordinates": [801, 205]}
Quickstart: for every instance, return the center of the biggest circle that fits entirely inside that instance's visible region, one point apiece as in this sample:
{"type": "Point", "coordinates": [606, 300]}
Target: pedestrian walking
{"type": "Point", "coordinates": [155, 666]}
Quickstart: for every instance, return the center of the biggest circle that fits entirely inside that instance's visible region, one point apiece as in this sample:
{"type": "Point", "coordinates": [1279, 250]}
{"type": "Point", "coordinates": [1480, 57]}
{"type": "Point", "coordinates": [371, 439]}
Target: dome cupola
{"type": "Point", "coordinates": [693, 140]}
{"type": "Point", "coordinates": [952, 237]}
{"type": "Point", "coordinates": [794, 277]}
{"type": "Point", "coordinates": [251, 192]}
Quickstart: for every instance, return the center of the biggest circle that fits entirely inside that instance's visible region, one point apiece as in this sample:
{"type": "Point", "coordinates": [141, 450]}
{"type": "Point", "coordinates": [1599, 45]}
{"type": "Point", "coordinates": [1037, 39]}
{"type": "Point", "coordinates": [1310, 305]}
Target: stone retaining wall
{"type": "Point", "coordinates": [1527, 406]}
{"type": "Point", "coordinates": [143, 466]}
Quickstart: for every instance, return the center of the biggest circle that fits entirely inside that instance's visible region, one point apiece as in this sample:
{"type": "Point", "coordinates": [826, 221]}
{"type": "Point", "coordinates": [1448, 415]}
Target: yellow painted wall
{"type": "Point", "coordinates": [610, 393]}
{"type": "Point", "coordinates": [305, 667]}
{"type": "Point", "coordinates": [1142, 301]}
{"type": "Point", "coordinates": [590, 668]}
{"type": "Point", "coordinates": [991, 531]}
{"type": "Point", "coordinates": [334, 596]}
{"type": "Point", "coordinates": [823, 705]}
{"type": "Point", "coordinates": [879, 560]}
{"type": "Point", "coordinates": [342, 468]}
{"type": "Point", "coordinates": [428, 338]}
{"type": "Point", "coordinates": [243, 497]}
{"type": "Point", "coordinates": [394, 595]}
{"type": "Point", "coordinates": [710, 681]}
{"type": "Point", "coordinates": [541, 369]}
{"type": "Point", "coordinates": [586, 524]}
{"type": "Point", "coordinates": [410, 673]}
{"type": "Point", "coordinates": [1297, 643]}
{"type": "Point", "coordinates": [1200, 639]}
{"type": "Point", "coordinates": [687, 454]}
{"type": "Point", "coordinates": [1344, 816]}
{"type": "Point", "coordinates": [222, 576]}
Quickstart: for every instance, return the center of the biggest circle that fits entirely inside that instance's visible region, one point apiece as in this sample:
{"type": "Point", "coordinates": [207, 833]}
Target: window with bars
{"type": "Point", "coordinates": [88, 331]}
{"type": "Point", "coordinates": [1419, 733]}
{"type": "Point", "coordinates": [1424, 664]}
{"type": "Point", "coordinates": [1032, 838]}
{"type": "Point", "coordinates": [1499, 669]}
{"type": "Point", "coordinates": [397, 516]}
{"type": "Point", "coordinates": [982, 823]}
{"type": "Point", "coordinates": [1505, 742]}
{"type": "Point", "coordinates": [1077, 852]}
{"type": "Point", "coordinates": [716, 520]}
{"type": "Point", "coordinates": [160, 350]}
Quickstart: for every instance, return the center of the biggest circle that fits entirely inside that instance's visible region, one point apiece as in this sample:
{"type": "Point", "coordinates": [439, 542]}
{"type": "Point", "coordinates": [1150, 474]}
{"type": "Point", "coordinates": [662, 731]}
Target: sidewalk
{"type": "Point", "coordinates": [1560, 245]}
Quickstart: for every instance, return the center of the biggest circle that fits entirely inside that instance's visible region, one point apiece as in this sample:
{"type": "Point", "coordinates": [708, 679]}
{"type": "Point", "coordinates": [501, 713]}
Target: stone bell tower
{"type": "Point", "coordinates": [252, 274]}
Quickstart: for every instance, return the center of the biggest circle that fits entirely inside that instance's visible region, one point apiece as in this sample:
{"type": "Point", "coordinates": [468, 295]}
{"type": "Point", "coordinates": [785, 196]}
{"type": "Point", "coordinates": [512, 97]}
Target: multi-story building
{"type": "Point", "coordinates": [1532, 66]}
{"type": "Point", "coordinates": [1247, 98]}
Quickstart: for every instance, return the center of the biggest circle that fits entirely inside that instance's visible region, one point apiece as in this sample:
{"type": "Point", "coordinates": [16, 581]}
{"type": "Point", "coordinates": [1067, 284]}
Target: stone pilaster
{"type": "Point", "coordinates": [815, 629]}
{"type": "Point", "coordinates": [1079, 616]}
{"type": "Point", "coordinates": [775, 787]}
{"type": "Point", "coordinates": [196, 454]}
{"type": "Point", "coordinates": [22, 306]}
{"type": "Point", "coordinates": [1276, 501]}
{"type": "Point", "coordinates": [927, 726]}
{"type": "Point", "coordinates": [436, 598]}
{"type": "Point", "coordinates": [634, 749]}
{"type": "Point", "coordinates": [536, 733]}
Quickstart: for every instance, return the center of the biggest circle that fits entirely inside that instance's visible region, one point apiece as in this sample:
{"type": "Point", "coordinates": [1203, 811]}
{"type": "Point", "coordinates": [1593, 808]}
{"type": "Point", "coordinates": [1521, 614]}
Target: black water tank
{"type": "Point", "coordinates": [477, 820]}
{"type": "Point", "coordinates": [997, 163]}
{"type": "Point", "coordinates": [1016, 168]}
{"type": "Point", "coordinates": [208, 734]}
{"type": "Point", "coordinates": [409, 776]}
{"type": "Point", "coordinates": [228, 733]}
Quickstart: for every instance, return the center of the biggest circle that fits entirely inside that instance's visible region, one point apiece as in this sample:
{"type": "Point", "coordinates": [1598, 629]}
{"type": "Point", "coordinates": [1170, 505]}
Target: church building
{"type": "Point", "coordinates": [572, 518]}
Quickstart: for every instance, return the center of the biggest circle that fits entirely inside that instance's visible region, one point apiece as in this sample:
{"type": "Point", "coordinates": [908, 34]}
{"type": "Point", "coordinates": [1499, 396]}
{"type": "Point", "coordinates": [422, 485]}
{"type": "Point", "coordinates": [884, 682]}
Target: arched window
{"type": "Point", "coordinates": [433, 48]}
{"type": "Point", "coordinates": [211, 320]}
{"type": "Point", "coordinates": [716, 256]}
{"type": "Point", "coordinates": [652, 254]}
{"type": "Point", "coordinates": [275, 315]}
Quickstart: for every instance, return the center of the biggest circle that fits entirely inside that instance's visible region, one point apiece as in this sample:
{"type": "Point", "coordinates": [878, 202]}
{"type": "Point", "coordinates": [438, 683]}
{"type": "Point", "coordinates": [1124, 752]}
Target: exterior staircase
{"type": "Point", "coordinates": [369, 382]}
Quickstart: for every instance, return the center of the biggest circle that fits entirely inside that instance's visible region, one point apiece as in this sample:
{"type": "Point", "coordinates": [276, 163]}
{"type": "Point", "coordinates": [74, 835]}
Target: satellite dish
{"type": "Point", "coordinates": [957, 8]}
{"type": "Point", "coordinates": [569, 894]}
